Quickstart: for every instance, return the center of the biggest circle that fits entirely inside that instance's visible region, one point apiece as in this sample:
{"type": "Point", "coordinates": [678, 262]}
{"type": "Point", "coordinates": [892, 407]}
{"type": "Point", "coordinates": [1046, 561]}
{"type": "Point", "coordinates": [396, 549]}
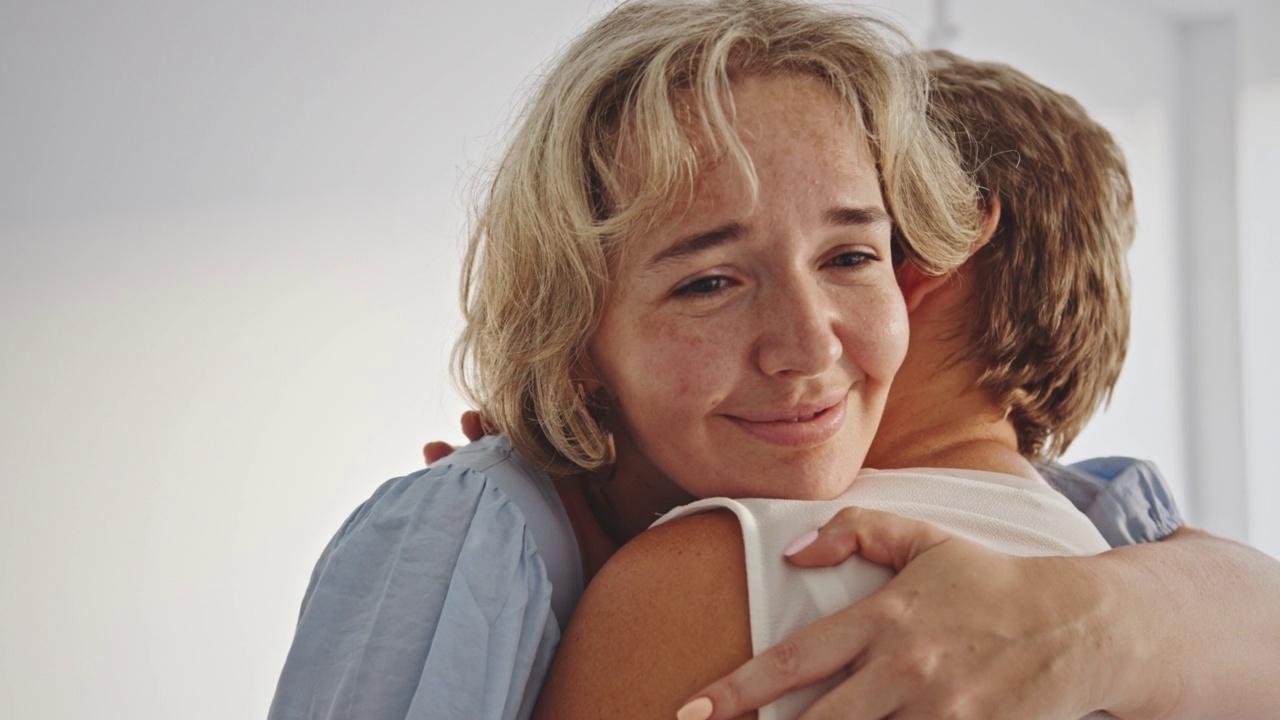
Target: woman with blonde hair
{"type": "Point", "coordinates": [445, 594]}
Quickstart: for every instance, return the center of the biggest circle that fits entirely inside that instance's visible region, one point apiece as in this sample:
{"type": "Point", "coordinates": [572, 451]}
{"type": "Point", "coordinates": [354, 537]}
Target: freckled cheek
{"type": "Point", "coordinates": [879, 335]}
{"type": "Point", "coordinates": [895, 333]}
{"type": "Point", "coordinates": [687, 361]}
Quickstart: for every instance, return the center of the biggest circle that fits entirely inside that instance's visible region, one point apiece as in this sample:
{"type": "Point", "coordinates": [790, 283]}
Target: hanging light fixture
{"type": "Point", "coordinates": [944, 29]}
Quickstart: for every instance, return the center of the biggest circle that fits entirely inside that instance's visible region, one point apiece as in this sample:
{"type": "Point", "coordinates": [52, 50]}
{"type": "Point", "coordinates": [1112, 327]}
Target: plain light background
{"type": "Point", "coordinates": [229, 243]}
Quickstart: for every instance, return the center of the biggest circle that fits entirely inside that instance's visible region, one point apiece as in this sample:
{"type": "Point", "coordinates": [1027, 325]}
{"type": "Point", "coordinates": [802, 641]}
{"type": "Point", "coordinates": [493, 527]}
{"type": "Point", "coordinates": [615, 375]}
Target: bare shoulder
{"type": "Point", "coordinates": [665, 616]}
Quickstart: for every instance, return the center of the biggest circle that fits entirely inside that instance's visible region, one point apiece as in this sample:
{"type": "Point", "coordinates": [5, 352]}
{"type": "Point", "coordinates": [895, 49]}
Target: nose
{"type": "Point", "coordinates": [799, 332]}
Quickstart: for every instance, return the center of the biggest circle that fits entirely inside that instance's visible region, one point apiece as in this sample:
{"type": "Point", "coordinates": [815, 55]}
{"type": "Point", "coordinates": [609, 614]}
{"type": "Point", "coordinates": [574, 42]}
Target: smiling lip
{"type": "Point", "coordinates": [799, 428]}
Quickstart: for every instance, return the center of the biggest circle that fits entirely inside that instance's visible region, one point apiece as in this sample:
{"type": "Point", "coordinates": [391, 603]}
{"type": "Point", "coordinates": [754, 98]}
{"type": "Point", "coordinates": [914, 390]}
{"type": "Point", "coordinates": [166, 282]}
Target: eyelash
{"type": "Point", "coordinates": [698, 287]}
{"type": "Point", "coordinates": [863, 257]}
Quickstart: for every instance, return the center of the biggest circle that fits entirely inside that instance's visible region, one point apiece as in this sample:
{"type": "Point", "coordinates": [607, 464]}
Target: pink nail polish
{"type": "Point", "coordinates": [699, 709]}
{"type": "Point", "coordinates": [801, 543]}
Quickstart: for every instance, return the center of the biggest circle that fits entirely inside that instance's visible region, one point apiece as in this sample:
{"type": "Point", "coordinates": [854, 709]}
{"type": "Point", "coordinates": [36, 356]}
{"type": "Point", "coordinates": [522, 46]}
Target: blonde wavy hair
{"type": "Point", "coordinates": [611, 143]}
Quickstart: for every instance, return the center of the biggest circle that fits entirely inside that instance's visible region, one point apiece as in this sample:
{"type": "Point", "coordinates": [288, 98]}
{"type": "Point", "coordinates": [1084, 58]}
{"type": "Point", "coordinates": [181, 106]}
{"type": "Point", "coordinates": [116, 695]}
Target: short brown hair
{"type": "Point", "coordinates": [563, 201]}
{"type": "Point", "coordinates": [1050, 316]}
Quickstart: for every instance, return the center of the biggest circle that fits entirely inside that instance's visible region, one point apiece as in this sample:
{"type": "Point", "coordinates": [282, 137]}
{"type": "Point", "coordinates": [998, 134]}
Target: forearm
{"type": "Point", "coordinates": [1194, 629]}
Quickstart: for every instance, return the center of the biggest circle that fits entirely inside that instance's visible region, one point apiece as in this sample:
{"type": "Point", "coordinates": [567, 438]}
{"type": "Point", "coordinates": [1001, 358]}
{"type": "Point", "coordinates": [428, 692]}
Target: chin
{"type": "Point", "coordinates": [791, 486]}
{"type": "Point", "coordinates": [789, 478]}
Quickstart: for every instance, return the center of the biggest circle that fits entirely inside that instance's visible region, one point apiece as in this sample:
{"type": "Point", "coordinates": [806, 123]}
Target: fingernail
{"type": "Point", "coordinates": [800, 543]}
{"type": "Point", "coordinates": [699, 709]}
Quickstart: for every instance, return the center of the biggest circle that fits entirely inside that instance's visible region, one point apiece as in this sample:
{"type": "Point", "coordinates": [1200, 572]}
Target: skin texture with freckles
{"type": "Point", "coordinates": [748, 344]}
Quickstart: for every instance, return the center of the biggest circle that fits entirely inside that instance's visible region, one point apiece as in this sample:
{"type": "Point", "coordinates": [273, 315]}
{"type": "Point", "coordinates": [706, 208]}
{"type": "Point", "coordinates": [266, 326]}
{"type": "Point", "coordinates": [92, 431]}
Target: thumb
{"type": "Point", "coordinates": [881, 537]}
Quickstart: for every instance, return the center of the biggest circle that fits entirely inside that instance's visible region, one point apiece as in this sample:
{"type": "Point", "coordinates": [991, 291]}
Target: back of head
{"type": "Point", "coordinates": [611, 143]}
{"type": "Point", "coordinates": [1049, 317]}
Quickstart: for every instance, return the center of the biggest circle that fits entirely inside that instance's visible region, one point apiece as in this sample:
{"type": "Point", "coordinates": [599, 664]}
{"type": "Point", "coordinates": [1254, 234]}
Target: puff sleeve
{"type": "Point", "coordinates": [430, 602]}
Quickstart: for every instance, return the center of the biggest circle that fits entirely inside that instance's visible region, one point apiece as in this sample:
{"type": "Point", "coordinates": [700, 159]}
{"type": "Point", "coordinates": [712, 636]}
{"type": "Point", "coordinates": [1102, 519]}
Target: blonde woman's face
{"type": "Point", "coordinates": [748, 346]}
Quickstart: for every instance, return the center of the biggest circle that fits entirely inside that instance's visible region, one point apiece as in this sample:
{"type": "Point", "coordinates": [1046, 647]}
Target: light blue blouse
{"type": "Point", "coordinates": [1127, 499]}
{"type": "Point", "coordinates": [444, 595]}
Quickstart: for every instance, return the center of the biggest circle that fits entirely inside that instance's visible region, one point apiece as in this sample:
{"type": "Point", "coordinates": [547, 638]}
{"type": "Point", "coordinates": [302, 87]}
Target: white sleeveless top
{"type": "Point", "coordinates": [1006, 513]}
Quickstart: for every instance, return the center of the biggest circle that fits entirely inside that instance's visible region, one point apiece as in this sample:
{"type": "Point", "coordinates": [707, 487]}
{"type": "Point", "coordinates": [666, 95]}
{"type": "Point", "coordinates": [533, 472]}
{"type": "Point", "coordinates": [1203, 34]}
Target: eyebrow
{"type": "Point", "coordinates": [694, 244]}
{"type": "Point", "coordinates": [865, 215]}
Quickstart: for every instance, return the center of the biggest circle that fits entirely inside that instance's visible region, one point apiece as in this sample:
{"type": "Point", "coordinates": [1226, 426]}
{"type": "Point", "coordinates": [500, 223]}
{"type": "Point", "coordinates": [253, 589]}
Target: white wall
{"type": "Point", "coordinates": [228, 247]}
{"type": "Point", "coordinates": [228, 255]}
{"type": "Point", "coordinates": [1260, 258]}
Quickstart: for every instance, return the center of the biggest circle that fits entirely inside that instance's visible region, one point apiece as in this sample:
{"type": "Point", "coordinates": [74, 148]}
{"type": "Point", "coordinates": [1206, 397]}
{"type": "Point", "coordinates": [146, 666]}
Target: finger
{"type": "Point", "coordinates": [865, 695]}
{"type": "Point", "coordinates": [473, 425]}
{"type": "Point", "coordinates": [433, 451]}
{"type": "Point", "coordinates": [880, 537]}
{"type": "Point", "coordinates": [810, 654]}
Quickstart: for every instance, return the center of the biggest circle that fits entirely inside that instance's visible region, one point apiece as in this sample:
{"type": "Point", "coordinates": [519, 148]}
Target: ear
{"type": "Point", "coordinates": [990, 223]}
{"type": "Point", "coordinates": [917, 285]}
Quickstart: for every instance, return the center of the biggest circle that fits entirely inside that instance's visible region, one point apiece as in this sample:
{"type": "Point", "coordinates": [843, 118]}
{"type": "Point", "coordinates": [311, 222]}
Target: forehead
{"type": "Point", "coordinates": [801, 161]}
{"type": "Point", "coordinates": [791, 122]}
{"type": "Point", "coordinates": [670, 148]}
{"type": "Point", "coordinates": [806, 106]}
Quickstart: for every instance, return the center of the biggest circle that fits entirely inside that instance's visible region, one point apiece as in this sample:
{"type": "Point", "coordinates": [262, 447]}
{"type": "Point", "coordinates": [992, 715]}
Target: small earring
{"type": "Point", "coordinates": [610, 457]}
{"type": "Point", "coordinates": [613, 456]}
{"type": "Point", "coordinates": [611, 450]}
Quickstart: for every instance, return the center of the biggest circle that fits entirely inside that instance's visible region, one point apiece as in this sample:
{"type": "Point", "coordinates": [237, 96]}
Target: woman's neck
{"type": "Point", "coordinates": [609, 507]}
{"type": "Point", "coordinates": [972, 442]}
{"type": "Point", "coordinates": [945, 420]}
{"type": "Point", "coordinates": [595, 546]}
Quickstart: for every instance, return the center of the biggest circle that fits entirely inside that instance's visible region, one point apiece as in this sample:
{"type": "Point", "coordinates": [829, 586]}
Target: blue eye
{"type": "Point", "coordinates": [703, 286]}
{"type": "Point", "coordinates": [851, 259]}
